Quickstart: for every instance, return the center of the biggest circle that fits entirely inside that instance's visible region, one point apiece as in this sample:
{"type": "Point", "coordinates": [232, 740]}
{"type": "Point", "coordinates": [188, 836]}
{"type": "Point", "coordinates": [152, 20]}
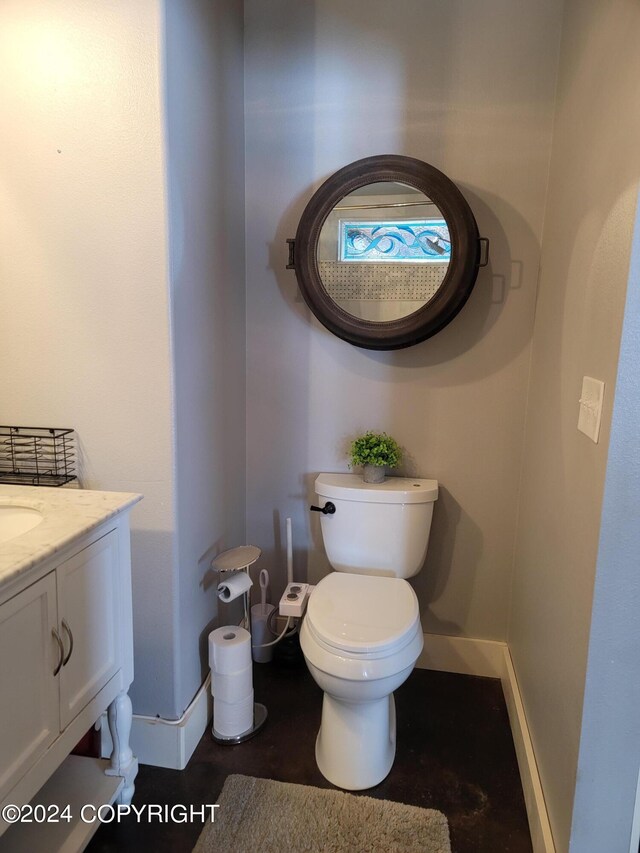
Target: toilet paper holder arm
{"type": "Point", "coordinates": [246, 596]}
{"type": "Point", "coordinates": [238, 559]}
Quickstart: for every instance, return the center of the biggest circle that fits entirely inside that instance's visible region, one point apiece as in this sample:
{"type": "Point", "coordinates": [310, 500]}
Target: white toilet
{"type": "Point", "coordinates": [361, 635]}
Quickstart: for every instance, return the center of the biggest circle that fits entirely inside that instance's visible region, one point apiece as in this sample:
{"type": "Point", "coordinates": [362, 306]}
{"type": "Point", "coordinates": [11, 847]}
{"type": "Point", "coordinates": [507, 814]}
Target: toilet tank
{"type": "Point", "coordinates": [380, 529]}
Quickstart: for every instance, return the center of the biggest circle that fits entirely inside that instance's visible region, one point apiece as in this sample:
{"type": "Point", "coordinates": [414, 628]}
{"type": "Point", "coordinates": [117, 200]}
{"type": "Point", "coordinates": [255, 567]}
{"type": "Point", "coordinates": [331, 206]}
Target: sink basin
{"type": "Point", "coordinates": [16, 520]}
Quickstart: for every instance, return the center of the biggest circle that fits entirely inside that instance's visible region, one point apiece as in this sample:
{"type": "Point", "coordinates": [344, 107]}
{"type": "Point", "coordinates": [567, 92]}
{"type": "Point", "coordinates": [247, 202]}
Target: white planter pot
{"type": "Point", "coordinates": [373, 473]}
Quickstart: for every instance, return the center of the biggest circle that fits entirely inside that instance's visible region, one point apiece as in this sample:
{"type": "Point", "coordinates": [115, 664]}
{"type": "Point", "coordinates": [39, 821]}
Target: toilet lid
{"type": "Point", "coordinates": [362, 613]}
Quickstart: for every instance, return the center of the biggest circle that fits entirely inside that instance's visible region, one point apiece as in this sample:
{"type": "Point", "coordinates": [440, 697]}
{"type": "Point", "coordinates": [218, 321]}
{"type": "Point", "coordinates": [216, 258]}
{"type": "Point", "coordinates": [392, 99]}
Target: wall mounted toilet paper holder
{"type": "Point", "coordinates": [240, 560]}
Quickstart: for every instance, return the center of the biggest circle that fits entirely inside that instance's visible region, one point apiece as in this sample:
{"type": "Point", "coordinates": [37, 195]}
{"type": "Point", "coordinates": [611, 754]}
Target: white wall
{"type": "Point", "coordinates": [585, 263]}
{"type": "Point", "coordinates": [122, 125]}
{"type": "Point", "coordinates": [204, 130]}
{"type": "Point", "coordinates": [467, 87]}
{"type": "Point", "coordinates": [84, 333]}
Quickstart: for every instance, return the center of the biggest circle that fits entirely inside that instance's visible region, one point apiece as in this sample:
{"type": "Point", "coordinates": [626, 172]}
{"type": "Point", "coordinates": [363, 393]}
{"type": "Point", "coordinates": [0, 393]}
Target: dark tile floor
{"type": "Point", "coordinates": [454, 753]}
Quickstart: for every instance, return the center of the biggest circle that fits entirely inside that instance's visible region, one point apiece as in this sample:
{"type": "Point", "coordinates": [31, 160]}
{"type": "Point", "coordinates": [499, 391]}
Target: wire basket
{"type": "Point", "coordinates": [36, 456]}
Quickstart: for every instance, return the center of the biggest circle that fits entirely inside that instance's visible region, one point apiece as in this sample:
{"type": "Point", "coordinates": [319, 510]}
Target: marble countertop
{"type": "Point", "coordinates": [68, 514]}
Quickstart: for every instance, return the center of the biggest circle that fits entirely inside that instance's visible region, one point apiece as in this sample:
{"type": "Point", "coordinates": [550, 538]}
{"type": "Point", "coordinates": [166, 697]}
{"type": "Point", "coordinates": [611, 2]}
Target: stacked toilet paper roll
{"type": "Point", "coordinates": [231, 680]}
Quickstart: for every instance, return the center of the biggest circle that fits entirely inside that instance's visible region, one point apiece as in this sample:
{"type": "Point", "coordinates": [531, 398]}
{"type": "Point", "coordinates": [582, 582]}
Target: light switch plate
{"type": "Point", "coordinates": [591, 407]}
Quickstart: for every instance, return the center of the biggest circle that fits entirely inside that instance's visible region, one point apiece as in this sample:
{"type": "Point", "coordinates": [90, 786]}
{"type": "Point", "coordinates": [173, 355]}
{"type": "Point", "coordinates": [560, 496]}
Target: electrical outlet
{"type": "Point", "coordinates": [590, 413]}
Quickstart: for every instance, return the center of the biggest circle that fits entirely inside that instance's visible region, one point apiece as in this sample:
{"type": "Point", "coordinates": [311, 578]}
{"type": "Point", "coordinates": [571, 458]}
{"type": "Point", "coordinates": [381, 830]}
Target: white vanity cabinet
{"type": "Point", "coordinates": [29, 697]}
{"type": "Point", "coordinates": [88, 587]}
{"type": "Point", "coordinates": [66, 656]}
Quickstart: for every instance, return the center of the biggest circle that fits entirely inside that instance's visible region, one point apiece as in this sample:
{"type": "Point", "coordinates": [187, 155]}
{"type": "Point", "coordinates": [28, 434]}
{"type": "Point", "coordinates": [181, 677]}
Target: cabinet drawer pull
{"type": "Point", "coordinates": [66, 627]}
{"type": "Point", "coordinates": [56, 636]}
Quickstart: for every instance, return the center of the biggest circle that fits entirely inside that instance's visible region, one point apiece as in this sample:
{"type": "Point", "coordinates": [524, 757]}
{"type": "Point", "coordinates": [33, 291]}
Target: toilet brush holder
{"type": "Point", "coordinates": [261, 633]}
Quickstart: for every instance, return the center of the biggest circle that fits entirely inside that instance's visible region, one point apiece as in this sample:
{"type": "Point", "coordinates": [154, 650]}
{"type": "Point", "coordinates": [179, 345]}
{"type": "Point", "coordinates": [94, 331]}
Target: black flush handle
{"type": "Point", "coordinates": [327, 509]}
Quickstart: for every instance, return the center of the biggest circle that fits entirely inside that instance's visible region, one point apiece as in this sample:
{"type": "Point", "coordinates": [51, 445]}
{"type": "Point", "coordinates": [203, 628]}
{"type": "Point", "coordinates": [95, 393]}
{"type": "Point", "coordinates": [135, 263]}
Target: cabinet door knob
{"type": "Point", "coordinates": [66, 627]}
{"type": "Point", "coordinates": [56, 636]}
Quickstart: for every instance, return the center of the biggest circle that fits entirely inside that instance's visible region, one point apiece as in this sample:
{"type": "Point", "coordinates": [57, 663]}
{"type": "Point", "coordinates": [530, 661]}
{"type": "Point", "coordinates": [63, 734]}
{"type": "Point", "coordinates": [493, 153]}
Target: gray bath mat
{"type": "Point", "coordinates": [263, 816]}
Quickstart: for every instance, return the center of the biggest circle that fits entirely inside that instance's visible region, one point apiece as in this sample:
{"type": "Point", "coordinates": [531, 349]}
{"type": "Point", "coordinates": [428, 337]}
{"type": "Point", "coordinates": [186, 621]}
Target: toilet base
{"type": "Point", "coordinates": [356, 744]}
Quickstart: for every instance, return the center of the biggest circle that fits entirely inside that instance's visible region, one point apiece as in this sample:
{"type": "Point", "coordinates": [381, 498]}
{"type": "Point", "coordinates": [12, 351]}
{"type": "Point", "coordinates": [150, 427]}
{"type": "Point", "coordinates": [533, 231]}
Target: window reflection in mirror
{"type": "Point", "coordinates": [383, 251]}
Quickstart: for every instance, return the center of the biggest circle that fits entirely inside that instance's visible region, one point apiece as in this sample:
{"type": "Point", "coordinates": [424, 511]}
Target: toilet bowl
{"type": "Point", "coordinates": [361, 638]}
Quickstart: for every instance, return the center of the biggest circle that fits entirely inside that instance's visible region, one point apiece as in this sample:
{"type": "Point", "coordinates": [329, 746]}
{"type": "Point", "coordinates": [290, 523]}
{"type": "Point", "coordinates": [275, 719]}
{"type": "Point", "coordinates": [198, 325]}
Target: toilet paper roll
{"type": "Point", "coordinates": [233, 687]}
{"type": "Point", "coordinates": [231, 719]}
{"type": "Point", "coordinates": [234, 586]}
{"type": "Point", "coordinates": [229, 650]}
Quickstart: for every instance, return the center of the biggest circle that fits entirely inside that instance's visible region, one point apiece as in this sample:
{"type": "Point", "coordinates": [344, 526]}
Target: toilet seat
{"type": "Point", "coordinates": [363, 667]}
{"type": "Point", "coordinates": [360, 658]}
{"type": "Point", "coordinates": [362, 616]}
{"type": "Point", "coordinates": [362, 627]}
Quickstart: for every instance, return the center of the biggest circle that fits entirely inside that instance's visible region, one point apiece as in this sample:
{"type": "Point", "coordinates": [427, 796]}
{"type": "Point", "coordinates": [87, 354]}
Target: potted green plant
{"type": "Point", "coordinates": [375, 452]}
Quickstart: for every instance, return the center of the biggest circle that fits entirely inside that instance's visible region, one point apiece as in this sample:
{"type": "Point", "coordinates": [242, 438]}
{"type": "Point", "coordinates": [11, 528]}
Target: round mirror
{"type": "Point", "coordinates": [387, 252]}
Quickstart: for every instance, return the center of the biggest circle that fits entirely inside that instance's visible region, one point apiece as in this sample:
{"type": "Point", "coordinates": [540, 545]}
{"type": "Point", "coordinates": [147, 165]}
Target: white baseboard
{"type": "Point", "coordinates": [462, 655]}
{"type": "Point", "coordinates": [539, 826]}
{"type": "Point", "coordinates": [493, 659]}
{"type": "Point", "coordinates": [166, 743]}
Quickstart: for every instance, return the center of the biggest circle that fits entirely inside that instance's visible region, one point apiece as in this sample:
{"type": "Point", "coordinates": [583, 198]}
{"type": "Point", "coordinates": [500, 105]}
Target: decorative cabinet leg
{"type": "Point", "coordinates": [123, 761]}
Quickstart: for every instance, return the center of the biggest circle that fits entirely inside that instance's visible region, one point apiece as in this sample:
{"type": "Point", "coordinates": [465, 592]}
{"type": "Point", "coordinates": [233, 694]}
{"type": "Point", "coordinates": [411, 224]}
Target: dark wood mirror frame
{"type": "Point", "coordinates": [456, 285]}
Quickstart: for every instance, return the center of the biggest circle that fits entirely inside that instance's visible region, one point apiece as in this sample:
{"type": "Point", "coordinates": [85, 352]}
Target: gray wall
{"type": "Point", "coordinates": [609, 757]}
{"type": "Point", "coordinates": [469, 88]}
{"type": "Point", "coordinates": [585, 262]}
{"type": "Point", "coordinates": [205, 155]}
